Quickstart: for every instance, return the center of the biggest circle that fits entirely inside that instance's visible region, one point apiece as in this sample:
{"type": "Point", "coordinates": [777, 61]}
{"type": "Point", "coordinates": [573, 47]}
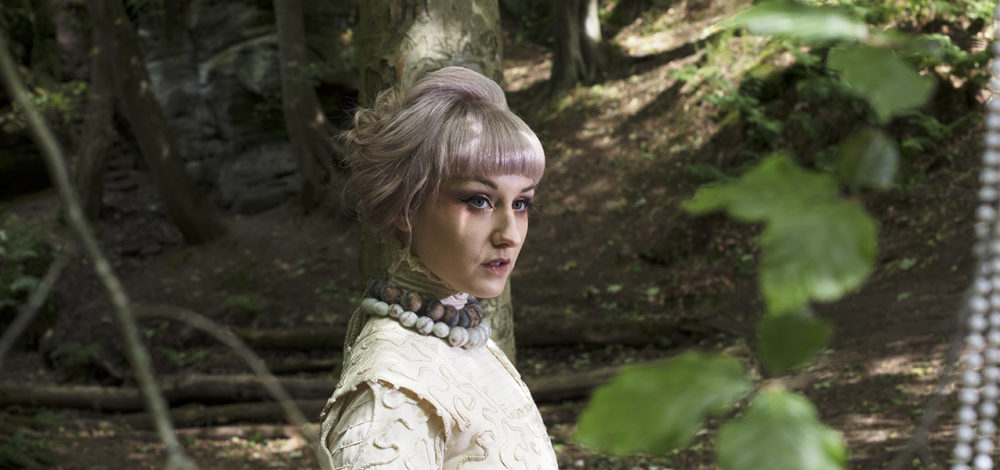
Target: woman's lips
{"type": "Point", "coordinates": [497, 266]}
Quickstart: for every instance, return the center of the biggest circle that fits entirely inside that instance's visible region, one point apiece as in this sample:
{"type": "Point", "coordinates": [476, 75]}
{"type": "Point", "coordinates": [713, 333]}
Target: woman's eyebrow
{"type": "Point", "coordinates": [493, 185]}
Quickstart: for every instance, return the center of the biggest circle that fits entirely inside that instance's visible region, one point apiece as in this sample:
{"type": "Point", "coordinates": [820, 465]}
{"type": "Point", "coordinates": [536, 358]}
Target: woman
{"type": "Point", "coordinates": [444, 175]}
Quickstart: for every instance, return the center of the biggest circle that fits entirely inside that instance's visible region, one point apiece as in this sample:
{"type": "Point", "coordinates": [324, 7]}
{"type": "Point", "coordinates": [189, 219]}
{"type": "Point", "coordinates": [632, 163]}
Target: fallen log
{"type": "Point", "coordinates": [218, 389]}
{"type": "Point", "coordinates": [552, 331]}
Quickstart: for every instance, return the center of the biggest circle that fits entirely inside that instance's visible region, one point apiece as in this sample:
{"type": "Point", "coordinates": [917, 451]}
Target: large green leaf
{"type": "Point", "coordinates": [868, 158]}
{"type": "Point", "coordinates": [806, 22]}
{"type": "Point", "coordinates": [776, 186]}
{"type": "Point", "coordinates": [786, 341]}
{"type": "Point", "coordinates": [889, 84]}
{"type": "Point", "coordinates": [815, 253]}
{"type": "Point", "coordinates": [780, 431]}
{"type": "Point", "coordinates": [659, 408]}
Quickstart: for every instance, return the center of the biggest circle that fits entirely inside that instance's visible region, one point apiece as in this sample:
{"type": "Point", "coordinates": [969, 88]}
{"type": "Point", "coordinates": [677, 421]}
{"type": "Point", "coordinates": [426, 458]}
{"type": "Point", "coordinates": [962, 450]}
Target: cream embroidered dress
{"type": "Point", "coordinates": [409, 401]}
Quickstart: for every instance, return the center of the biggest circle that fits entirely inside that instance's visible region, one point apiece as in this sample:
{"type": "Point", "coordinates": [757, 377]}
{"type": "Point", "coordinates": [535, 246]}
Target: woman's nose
{"type": "Point", "coordinates": [505, 230]}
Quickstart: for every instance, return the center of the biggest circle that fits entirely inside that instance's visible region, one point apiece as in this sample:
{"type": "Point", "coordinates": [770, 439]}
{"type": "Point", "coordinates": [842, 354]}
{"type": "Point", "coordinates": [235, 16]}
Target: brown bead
{"type": "Point", "coordinates": [391, 294]}
{"type": "Point", "coordinates": [434, 310]}
{"type": "Point", "coordinates": [374, 288]}
{"type": "Point", "coordinates": [450, 315]}
{"type": "Point", "coordinates": [475, 314]}
{"type": "Point", "coordinates": [463, 318]}
{"type": "Point", "coordinates": [412, 301]}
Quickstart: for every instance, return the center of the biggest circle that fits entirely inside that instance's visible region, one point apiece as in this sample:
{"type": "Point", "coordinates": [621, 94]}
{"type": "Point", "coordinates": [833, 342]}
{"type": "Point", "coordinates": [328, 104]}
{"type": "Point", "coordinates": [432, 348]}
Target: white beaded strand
{"type": "Point", "coordinates": [978, 390]}
{"type": "Point", "coordinates": [457, 336]}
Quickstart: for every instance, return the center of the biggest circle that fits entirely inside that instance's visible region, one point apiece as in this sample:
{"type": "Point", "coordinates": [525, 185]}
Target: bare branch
{"type": "Point", "coordinates": [136, 351]}
{"type": "Point", "coordinates": [31, 308]}
{"type": "Point", "coordinates": [257, 365]}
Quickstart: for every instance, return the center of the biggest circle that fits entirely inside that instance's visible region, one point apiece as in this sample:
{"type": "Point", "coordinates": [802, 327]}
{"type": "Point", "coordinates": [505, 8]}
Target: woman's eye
{"type": "Point", "coordinates": [478, 202]}
{"type": "Point", "coordinates": [521, 205]}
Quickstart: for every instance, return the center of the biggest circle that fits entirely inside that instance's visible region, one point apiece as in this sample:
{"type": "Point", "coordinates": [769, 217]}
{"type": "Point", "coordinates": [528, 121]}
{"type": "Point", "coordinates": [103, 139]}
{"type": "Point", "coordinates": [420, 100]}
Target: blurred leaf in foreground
{"type": "Point", "coordinates": [890, 85]}
{"type": "Point", "coordinates": [659, 408]}
{"type": "Point", "coordinates": [790, 340]}
{"type": "Point", "coordinates": [776, 186]}
{"type": "Point", "coordinates": [805, 22]}
{"type": "Point", "coordinates": [780, 431]}
{"type": "Point", "coordinates": [868, 158]}
{"type": "Point", "coordinates": [817, 253]}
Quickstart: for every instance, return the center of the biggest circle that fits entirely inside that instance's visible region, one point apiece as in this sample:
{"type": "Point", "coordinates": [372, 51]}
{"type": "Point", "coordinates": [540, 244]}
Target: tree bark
{"type": "Point", "coordinates": [578, 56]}
{"type": "Point", "coordinates": [95, 139]}
{"type": "Point", "coordinates": [401, 40]}
{"type": "Point", "coordinates": [196, 218]}
{"type": "Point", "coordinates": [305, 121]}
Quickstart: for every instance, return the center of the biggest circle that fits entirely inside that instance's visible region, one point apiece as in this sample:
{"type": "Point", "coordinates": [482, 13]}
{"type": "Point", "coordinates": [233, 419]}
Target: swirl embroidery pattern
{"type": "Point", "coordinates": [410, 396]}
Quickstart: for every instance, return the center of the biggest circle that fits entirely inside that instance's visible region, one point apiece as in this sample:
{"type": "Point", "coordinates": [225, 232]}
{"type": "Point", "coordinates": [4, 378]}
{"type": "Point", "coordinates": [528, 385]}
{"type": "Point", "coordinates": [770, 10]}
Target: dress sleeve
{"type": "Point", "coordinates": [379, 426]}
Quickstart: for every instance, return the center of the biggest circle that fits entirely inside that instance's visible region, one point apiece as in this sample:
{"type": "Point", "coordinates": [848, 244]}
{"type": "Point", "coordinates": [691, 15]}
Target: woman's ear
{"type": "Point", "coordinates": [402, 224]}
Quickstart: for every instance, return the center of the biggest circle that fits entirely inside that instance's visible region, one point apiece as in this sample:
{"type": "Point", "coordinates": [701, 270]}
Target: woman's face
{"type": "Point", "coordinates": [471, 233]}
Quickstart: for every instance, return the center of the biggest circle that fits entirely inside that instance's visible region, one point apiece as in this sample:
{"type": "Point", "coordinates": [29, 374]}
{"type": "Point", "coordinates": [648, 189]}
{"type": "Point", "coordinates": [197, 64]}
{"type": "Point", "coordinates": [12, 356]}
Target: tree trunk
{"type": "Point", "coordinates": [401, 40]}
{"type": "Point", "coordinates": [95, 139]}
{"type": "Point", "coordinates": [196, 218]}
{"type": "Point", "coordinates": [578, 56]}
{"type": "Point", "coordinates": [305, 121]}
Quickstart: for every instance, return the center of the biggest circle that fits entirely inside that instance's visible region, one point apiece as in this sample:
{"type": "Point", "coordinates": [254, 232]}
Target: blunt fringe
{"type": "Point", "coordinates": [453, 123]}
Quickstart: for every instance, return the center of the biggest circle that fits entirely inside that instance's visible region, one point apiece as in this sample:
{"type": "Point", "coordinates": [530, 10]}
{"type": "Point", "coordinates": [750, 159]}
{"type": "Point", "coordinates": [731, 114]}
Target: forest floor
{"type": "Point", "coordinates": [609, 241]}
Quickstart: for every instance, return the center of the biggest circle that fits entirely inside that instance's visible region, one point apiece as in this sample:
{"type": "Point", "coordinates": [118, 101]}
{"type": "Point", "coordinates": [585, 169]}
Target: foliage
{"type": "Point", "coordinates": [18, 451]}
{"type": "Point", "coordinates": [780, 431]}
{"type": "Point", "coordinates": [816, 245]}
{"type": "Point", "coordinates": [658, 408]}
{"type": "Point", "coordinates": [24, 257]}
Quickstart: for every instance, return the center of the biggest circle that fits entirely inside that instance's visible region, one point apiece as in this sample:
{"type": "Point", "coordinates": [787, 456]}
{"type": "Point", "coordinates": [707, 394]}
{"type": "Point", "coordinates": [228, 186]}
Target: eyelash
{"type": "Point", "coordinates": [470, 201]}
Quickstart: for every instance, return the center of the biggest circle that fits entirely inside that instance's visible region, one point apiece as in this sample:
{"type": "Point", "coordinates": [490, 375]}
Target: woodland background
{"type": "Point", "coordinates": [212, 185]}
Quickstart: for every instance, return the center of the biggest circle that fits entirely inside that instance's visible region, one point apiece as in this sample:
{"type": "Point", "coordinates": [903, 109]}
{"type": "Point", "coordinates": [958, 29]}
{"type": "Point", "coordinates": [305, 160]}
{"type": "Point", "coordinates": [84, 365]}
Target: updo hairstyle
{"type": "Point", "coordinates": [453, 123]}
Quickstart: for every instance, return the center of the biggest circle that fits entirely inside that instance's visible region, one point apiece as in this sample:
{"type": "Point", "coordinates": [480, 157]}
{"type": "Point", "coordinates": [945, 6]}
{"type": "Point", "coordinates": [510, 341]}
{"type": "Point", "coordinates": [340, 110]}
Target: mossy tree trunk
{"type": "Point", "coordinates": [95, 137]}
{"type": "Point", "coordinates": [194, 215]}
{"type": "Point", "coordinates": [578, 56]}
{"type": "Point", "coordinates": [401, 40]}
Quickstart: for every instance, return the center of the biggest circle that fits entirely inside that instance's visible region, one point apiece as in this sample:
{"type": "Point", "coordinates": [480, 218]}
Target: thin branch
{"type": "Point", "coordinates": [136, 351]}
{"type": "Point", "coordinates": [257, 365]}
{"type": "Point", "coordinates": [34, 305]}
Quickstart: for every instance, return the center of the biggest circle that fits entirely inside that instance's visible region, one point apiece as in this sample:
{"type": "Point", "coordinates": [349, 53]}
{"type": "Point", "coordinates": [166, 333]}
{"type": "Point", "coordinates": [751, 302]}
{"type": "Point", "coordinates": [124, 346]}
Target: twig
{"type": "Point", "coordinates": [136, 351]}
{"type": "Point", "coordinates": [31, 308]}
{"type": "Point", "coordinates": [257, 365]}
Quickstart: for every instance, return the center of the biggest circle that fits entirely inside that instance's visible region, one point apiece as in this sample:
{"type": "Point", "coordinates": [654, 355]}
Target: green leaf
{"type": "Point", "coordinates": [787, 341]}
{"type": "Point", "coordinates": [868, 158]}
{"type": "Point", "coordinates": [815, 253]}
{"type": "Point", "coordinates": [780, 431]}
{"type": "Point", "coordinates": [805, 22]}
{"type": "Point", "coordinates": [659, 408]}
{"type": "Point", "coordinates": [774, 187]}
{"type": "Point", "coordinates": [889, 84]}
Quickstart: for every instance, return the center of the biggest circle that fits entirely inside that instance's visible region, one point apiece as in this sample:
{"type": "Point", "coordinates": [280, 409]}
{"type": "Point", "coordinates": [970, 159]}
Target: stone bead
{"type": "Point", "coordinates": [487, 329]}
{"type": "Point", "coordinates": [968, 396]}
{"type": "Point", "coordinates": [992, 355]}
{"type": "Point", "coordinates": [374, 288]}
{"type": "Point", "coordinates": [982, 462]}
{"type": "Point", "coordinates": [369, 304]}
{"type": "Point", "coordinates": [962, 452]}
{"type": "Point", "coordinates": [987, 427]}
{"type": "Point", "coordinates": [971, 378]}
{"type": "Point", "coordinates": [449, 315]}
{"type": "Point", "coordinates": [965, 433]}
{"type": "Point", "coordinates": [381, 308]}
{"type": "Point", "coordinates": [991, 392]}
{"type": "Point", "coordinates": [463, 318]}
{"type": "Point", "coordinates": [392, 294]}
{"type": "Point", "coordinates": [973, 360]}
{"type": "Point", "coordinates": [434, 310]}
{"type": "Point", "coordinates": [966, 414]}
{"type": "Point", "coordinates": [424, 325]}
{"type": "Point", "coordinates": [985, 446]}
{"type": "Point", "coordinates": [988, 409]}
{"type": "Point", "coordinates": [458, 336]}
{"type": "Point", "coordinates": [395, 310]}
{"type": "Point", "coordinates": [977, 321]}
{"type": "Point", "coordinates": [991, 374]}
{"type": "Point", "coordinates": [975, 341]}
{"type": "Point", "coordinates": [474, 338]}
{"type": "Point", "coordinates": [408, 319]}
{"type": "Point", "coordinates": [979, 304]}
{"type": "Point", "coordinates": [412, 301]}
{"type": "Point", "coordinates": [440, 329]}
